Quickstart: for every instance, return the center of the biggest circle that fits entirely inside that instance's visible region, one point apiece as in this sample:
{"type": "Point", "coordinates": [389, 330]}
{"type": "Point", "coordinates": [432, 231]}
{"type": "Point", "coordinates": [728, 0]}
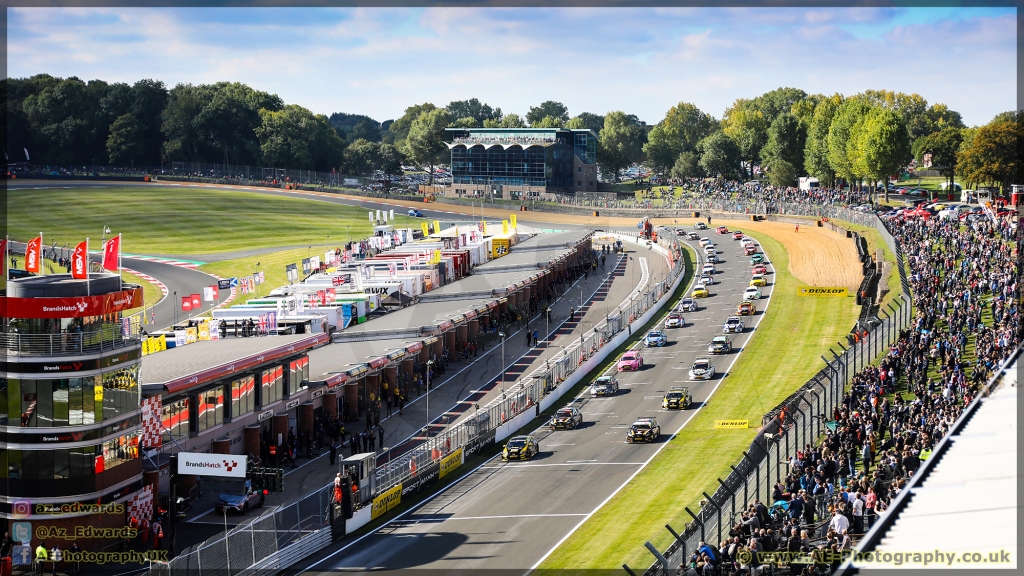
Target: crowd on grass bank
{"type": "Point", "coordinates": [964, 283]}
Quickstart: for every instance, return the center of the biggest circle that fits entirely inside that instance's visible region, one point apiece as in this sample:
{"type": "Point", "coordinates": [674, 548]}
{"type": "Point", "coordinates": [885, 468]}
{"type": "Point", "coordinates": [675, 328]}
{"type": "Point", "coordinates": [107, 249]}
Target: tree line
{"type": "Point", "coordinates": [784, 133]}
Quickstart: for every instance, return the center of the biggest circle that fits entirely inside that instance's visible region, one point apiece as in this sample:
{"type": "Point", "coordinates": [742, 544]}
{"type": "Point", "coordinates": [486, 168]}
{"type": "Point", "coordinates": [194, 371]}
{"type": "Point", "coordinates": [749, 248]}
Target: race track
{"type": "Point", "coordinates": [510, 515]}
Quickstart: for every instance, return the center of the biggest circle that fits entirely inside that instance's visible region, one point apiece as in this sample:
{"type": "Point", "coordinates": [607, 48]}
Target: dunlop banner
{"type": "Point", "coordinates": [451, 462]}
{"type": "Point", "coordinates": [822, 291]}
{"type": "Point", "coordinates": [426, 232]}
{"type": "Point", "coordinates": [385, 502]}
{"type": "Point", "coordinates": [731, 424]}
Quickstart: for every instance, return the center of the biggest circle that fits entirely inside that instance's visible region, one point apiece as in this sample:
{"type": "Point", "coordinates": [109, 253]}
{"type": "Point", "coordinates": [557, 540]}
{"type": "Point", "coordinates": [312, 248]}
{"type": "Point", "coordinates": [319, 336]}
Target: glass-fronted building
{"type": "Point", "coordinates": [70, 394]}
{"type": "Point", "coordinates": [532, 160]}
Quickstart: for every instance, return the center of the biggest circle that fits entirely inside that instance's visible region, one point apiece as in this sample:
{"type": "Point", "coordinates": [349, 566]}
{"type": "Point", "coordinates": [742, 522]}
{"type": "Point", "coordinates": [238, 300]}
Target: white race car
{"type": "Point", "coordinates": [687, 305]}
{"type": "Point", "coordinates": [702, 369]}
{"type": "Point", "coordinates": [752, 293]}
{"type": "Point", "coordinates": [733, 324]}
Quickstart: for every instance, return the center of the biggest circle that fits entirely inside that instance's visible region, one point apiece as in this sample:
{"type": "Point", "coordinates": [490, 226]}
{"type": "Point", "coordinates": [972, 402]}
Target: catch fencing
{"type": "Point", "coordinates": [234, 552]}
{"type": "Point", "coordinates": [799, 420]}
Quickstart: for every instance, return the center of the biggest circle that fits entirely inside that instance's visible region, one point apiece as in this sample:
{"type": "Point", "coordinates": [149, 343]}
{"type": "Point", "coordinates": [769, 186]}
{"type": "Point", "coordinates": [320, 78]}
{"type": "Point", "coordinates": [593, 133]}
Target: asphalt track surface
{"type": "Point", "coordinates": [511, 515]}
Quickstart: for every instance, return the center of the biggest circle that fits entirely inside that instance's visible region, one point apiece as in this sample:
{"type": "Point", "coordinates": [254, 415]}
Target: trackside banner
{"type": "Point", "coordinates": [229, 465]}
{"type": "Point", "coordinates": [75, 307]}
{"type": "Point", "coordinates": [822, 291]}
{"type": "Point", "coordinates": [385, 502]}
{"type": "Point", "coordinates": [450, 462]}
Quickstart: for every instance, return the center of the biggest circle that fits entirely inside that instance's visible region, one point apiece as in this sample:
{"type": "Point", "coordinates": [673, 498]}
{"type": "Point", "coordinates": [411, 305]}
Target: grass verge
{"type": "Point", "coordinates": [184, 221]}
{"type": "Point", "coordinates": [797, 331]}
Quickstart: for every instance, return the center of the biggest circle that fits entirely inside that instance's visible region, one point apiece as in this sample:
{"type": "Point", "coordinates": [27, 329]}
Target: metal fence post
{"type": "Point", "coordinates": [718, 510]}
{"type": "Point", "coordinates": [732, 508]}
{"type": "Point", "coordinates": [746, 478]}
{"type": "Point", "coordinates": [697, 520]}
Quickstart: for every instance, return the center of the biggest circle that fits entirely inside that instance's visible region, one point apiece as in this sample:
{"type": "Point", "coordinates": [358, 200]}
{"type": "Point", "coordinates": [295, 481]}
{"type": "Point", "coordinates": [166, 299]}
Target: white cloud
{"type": "Point", "coordinates": [379, 61]}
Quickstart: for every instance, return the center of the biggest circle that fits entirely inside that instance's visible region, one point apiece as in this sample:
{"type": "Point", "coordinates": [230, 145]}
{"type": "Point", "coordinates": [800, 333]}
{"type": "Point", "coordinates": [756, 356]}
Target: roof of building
{"type": "Point", "coordinates": [340, 357]}
{"type": "Point", "coordinates": [521, 261]}
{"type": "Point", "coordinates": [480, 286]}
{"type": "Point", "coordinates": [549, 241]}
{"type": "Point", "coordinates": [414, 320]}
{"type": "Point", "coordinates": [176, 369]}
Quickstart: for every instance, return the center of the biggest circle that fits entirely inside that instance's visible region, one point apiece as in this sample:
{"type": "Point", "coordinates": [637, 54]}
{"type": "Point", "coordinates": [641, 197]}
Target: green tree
{"type": "Point", "coordinates": [719, 155]}
{"type": "Point", "coordinates": [682, 128]}
{"type": "Point", "coordinates": [124, 144]}
{"type": "Point", "coordinates": [183, 137]}
{"type": "Point", "coordinates": [993, 154]}
{"type": "Point", "coordinates": [467, 122]}
{"type": "Point", "coordinates": [297, 138]}
{"type": "Point", "coordinates": [556, 110]}
{"type": "Point", "coordinates": [425, 143]}
{"type": "Point", "coordinates": [778, 101]}
{"type": "Point", "coordinates": [512, 121]}
{"type": "Point", "coordinates": [912, 107]}
{"type": "Point", "coordinates": [943, 146]}
{"type": "Point", "coordinates": [622, 138]}
{"type": "Point", "coordinates": [389, 161]}
{"type": "Point", "coordinates": [687, 166]}
{"type": "Point", "coordinates": [362, 157]}
{"type": "Point", "coordinates": [230, 120]}
{"type": "Point", "coordinates": [586, 120]}
{"type": "Point", "coordinates": [400, 127]}
{"type": "Point", "coordinates": [747, 126]}
{"type": "Point", "coordinates": [473, 108]}
{"type": "Point", "coordinates": [547, 122]}
{"type": "Point", "coordinates": [885, 145]}
{"type": "Point", "coordinates": [840, 133]}
{"type": "Point", "coordinates": [784, 152]}
{"type": "Point", "coordinates": [366, 129]}
{"type": "Point", "coordinates": [816, 147]}
{"type": "Point", "coordinates": [69, 122]}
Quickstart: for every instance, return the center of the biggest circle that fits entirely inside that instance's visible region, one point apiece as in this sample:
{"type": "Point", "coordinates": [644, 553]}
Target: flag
{"type": "Point", "coordinates": [262, 277]}
{"type": "Point", "coordinates": [504, 226]}
{"type": "Point", "coordinates": [208, 293]}
{"type": "Point", "coordinates": [426, 231]}
{"type": "Point", "coordinates": [216, 292]}
{"type": "Point", "coordinates": [80, 261]}
{"type": "Point", "coordinates": [111, 253]}
{"type": "Point", "coordinates": [196, 302]}
{"type": "Point", "coordinates": [393, 270]}
{"type": "Point", "coordinates": [3, 257]}
{"type": "Point", "coordinates": [186, 303]}
{"type": "Point", "coordinates": [513, 218]}
{"type": "Point", "coordinates": [32, 250]}
{"type": "Point", "coordinates": [437, 226]}
{"type": "Point", "coordinates": [371, 217]}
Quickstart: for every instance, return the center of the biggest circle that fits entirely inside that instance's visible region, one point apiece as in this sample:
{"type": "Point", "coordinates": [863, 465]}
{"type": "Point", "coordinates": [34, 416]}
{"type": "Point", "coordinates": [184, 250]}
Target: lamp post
{"type": "Point", "coordinates": [106, 230]}
{"type": "Point", "coordinates": [429, 364]}
{"type": "Point", "coordinates": [176, 307]}
{"type": "Point", "coordinates": [502, 336]}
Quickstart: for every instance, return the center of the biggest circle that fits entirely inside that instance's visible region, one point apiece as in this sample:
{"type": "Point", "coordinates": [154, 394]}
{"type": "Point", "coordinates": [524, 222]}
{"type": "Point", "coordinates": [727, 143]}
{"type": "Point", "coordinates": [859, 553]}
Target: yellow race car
{"type": "Point", "coordinates": [700, 291]}
{"type": "Point", "coordinates": [758, 280]}
{"type": "Point", "coordinates": [520, 448]}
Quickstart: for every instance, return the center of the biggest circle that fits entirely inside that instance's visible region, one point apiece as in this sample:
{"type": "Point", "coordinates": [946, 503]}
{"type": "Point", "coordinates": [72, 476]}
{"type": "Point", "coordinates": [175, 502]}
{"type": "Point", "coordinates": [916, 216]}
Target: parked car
{"type": "Point", "coordinates": [240, 497]}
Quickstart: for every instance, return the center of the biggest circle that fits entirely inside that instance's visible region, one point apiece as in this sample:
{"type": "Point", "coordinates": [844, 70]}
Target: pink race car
{"type": "Point", "coordinates": [630, 361]}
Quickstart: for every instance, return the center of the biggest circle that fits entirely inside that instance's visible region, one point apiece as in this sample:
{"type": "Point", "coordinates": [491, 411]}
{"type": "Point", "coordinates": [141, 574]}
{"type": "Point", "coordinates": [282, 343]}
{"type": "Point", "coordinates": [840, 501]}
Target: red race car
{"type": "Point", "coordinates": [737, 235]}
{"type": "Point", "coordinates": [759, 269]}
{"type": "Point", "coordinates": [722, 230]}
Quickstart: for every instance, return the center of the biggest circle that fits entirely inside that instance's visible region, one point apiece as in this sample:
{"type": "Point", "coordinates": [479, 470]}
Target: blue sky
{"type": "Point", "coordinates": [378, 61]}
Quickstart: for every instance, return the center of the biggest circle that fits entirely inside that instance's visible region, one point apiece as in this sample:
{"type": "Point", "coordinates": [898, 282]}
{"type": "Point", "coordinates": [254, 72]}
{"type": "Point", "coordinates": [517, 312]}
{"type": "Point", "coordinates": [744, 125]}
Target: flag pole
{"type": "Point", "coordinates": [119, 275]}
{"type": "Point", "coordinates": [42, 269]}
{"type": "Point", "coordinates": [88, 275]}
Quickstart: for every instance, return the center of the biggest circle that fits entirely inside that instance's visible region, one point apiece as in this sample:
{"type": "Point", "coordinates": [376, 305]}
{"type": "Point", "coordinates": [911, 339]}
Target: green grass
{"type": "Point", "coordinates": [183, 221]}
{"type": "Point", "coordinates": [793, 335]}
{"type": "Point", "coordinates": [150, 293]}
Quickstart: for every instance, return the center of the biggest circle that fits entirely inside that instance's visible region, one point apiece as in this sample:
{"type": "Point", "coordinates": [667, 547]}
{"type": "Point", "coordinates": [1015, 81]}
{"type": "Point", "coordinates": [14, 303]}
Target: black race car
{"type": "Point", "coordinates": [644, 430]}
{"type": "Point", "coordinates": [568, 418]}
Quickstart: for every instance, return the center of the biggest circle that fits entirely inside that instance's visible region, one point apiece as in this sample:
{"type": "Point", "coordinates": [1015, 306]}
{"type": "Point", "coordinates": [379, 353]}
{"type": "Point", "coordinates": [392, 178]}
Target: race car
{"type": "Point", "coordinates": [749, 250]}
{"type": "Point", "coordinates": [758, 280]}
{"type": "Point", "coordinates": [566, 418]}
{"type": "Point", "coordinates": [520, 448]}
{"type": "Point", "coordinates": [757, 259]}
{"type": "Point", "coordinates": [747, 241]}
{"type": "Point", "coordinates": [720, 345]}
{"type": "Point", "coordinates": [703, 369]}
{"type": "Point", "coordinates": [240, 498]}
{"type": "Point", "coordinates": [655, 338]}
{"type": "Point", "coordinates": [687, 305]}
{"type": "Point", "coordinates": [722, 230]}
{"type": "Point", "coordinates": [700, 291]}
{"type": "Point", "coordinates": [415, 213]}
{"type": "Point", "coordinates": [707, 269]}
{"type": "Point", "coordinates": [713, 258]}
{"type": "Point", "coordinates": [751, 293]}
{"type": "Point", "coordinates": [706, 279]}
{"type": "Point", "coordinates": [705, 242]}
{"type": "Point", "coordinates": [644, 430]}
{"type": "Point", "coordinates": [675, 320]}
{"type": "Point", "coordinates": [700, 226]}
{"type": "Point", "coordinates": [746, 308]}
{"type": "Point", "coordinates": [710, 249]}
{"type": "Point", "coordinates": [604, 386]}
{"type": "Point", "coordinates": [737, 235]}
{"type": "Point", "coordinates": [732, 324]}
{"type": "Point", "coordinates": [630, 361]}
{"type": "Point", "coordinates": [678, 397]}
{"type": "Point", "coordinates": [759, 269]}
{"type": "Point", "coordinates": [693, 236]}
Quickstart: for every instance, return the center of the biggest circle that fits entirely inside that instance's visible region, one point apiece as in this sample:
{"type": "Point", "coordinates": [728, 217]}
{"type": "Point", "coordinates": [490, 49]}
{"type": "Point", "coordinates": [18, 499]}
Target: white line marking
{"type": "Point", "coordinates": [513, 516]}
{"type": "Point", "coordinates": [572, 464]}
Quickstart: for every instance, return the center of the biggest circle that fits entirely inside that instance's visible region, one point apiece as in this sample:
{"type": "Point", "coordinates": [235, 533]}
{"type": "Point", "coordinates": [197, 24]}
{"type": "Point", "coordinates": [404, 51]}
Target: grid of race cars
{"type": "Point", "coordinates": [646, 428]}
